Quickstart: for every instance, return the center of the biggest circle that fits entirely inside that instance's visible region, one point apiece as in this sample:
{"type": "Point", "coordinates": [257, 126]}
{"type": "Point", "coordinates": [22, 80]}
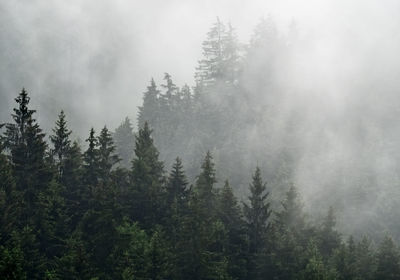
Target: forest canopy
{"type": "Point", "coordinates": [204, 188]}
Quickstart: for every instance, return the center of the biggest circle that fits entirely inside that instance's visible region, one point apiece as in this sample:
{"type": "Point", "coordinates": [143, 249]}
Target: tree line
{"type": "Point", "coordinates": [73, 214]}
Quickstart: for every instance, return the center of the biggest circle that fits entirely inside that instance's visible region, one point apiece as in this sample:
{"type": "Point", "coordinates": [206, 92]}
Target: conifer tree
{"type": "Point", "coordinates": [149, 111]}
{"type": "Point", "coordinates": [177, 187]}
{"type": "Point", "coordinates": [205, 184]}
{"type": "Point", "coordinates": [235, 248]}
{"type": "Point", "coordinates": [25, 140]}
{"type": "Point", "coordinates": [365, 262]}
{"type": "Point", "coordinates": [257, 215]}
{"type": "Point", "coordinates": [75, 193]}
{"type": "Point", "coordinates": [106, 153]}
{"type": "Point", "coordinates": [61, 141]}
{"type": "Point", "coordinates": [170, 89]}
{"type": "Point", "coordinates": [329, 237]}
{"type": "Point", "coordinates": [124, 139]}
{"type": "Point", "coordinates": [91, 160]}
{"type": "Point", "coordinates": [220, 57]}
{"type": "Point", "coordinates": [388, 260]}
{"type": "Point", "coordinates": [147, 181]}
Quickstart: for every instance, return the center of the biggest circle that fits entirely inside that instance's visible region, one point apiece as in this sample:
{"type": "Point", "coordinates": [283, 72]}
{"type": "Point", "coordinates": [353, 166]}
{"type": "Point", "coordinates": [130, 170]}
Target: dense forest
{"type": "Point", "coordinates": [185, 196]}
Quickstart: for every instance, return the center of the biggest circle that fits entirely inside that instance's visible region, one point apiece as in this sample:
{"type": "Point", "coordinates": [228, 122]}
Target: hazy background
{"type": "Point", "coordinates": [95, 58]}
{"type": "Point", "coordinates": [88, 56]}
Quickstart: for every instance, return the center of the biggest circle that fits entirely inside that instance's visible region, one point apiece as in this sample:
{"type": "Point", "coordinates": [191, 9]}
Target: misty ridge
{"type": "Point", "coordinates": [274, 157]}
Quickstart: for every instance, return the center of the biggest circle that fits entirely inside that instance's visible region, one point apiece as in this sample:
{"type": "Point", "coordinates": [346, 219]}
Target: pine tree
{"type": "Point", "coordinates": [220, 62]}
{"type": "Point", "coordinates": [149, 111]}
{"type": "Point", "coordinates": [329, 237]}
{"type": "Point", "coordinates": [124, 139]}
{"type": "Point", "coordinates": [202, 235]}
{"type": "Point", "coordinates": [25, 140]}
{"type": "Point", "coordinates": [177, 188]}
{"type": "Point", "coordinates": [106, 152]}
{"type": "Point", "coordinates": [315, 268]}
{"type": "Point", "coordinates": [61, 141]}
{"type": "Point", "coordinates": [257, 215]}
{"type": "Point", "coordinates": [9, 200]}
{"type": "Point", "coordinates": [91, 160]}
{"type": "Point", "coordinates": [388, 260]}
{"type": "Point", "coordinates": [205, 184]}
{"type": "Point", "coordinates": [290, 236]}
{"type": "Point", "coordinates": [291, 217]}
{"type": "Point", "coordinates": [147, 181]}
{"type": "Point", "coordinates": [235, 249]}
{"type": "Point", "coordinates": [75, 192]}
{"type": "Point", "coordinates": [170, 89]}
{"type": "Point", "coordinates": [365, 263]}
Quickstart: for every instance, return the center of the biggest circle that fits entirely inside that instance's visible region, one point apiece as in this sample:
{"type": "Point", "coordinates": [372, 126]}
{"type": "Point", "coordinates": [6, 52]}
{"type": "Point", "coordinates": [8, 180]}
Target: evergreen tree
{"type": "Point", "coordinates": [365, 261]}
{"type": "Point", "coordinates": [147, 181]}
{"type": "Point", "coordinates": [329, 237]}
{"type": "Point", "coordinates": [290, 236]}
{"type": "Point", "coordinates": [149, 111]}
{"type": "Point", "coordinates": [177, 198]}
{"type": "Point", "coordinates": [235, 248]}
{"type": "Point", "coordinates": [75, 192]}
{"type": "Point", "coordinates": [205, 184]}
{"type": "Point", "coordinates": [106, 153]}
{"type": "Point", "coordinates": [25, 140]}
{"type": "Point", "coordinates": [124, 139]}
{"type": "Point", "coordinates": [61, 141]}
{"type": "Point", "coordinates": [257, 215]}
{"type": "Point", "coordinates": [220, 57]}
{"type": "Point", "coordinates": [91, 160]}
{"type": "Point", "coordinates": [388, 260]}
{"type": "Point", "coordinates": [170, 90]}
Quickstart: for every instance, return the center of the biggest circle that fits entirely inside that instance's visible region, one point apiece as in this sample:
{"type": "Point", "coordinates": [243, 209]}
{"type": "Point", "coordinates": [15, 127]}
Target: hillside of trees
{"type": "Point", "coordinates": [202, 190]}
{"type": "Point", "coordinates": [73, 214]}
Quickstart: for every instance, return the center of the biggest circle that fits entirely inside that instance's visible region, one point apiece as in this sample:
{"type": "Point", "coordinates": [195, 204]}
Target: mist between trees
{"type": "Point", "coordinates": [112, 211]}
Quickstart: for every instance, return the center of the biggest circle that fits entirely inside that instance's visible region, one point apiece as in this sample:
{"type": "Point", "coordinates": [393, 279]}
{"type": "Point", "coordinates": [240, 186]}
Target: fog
{"type": "Point", "coordinates": [94, 59]}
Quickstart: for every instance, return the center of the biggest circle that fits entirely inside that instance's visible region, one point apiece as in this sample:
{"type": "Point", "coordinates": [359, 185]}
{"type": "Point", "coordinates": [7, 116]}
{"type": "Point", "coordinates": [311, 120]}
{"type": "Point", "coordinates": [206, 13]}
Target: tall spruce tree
{"type": "Point", "coordinates": [149, 111]}
{"type": "Point", "coordinates": [235, 249]}
{"type": "Point", "coordinates": [329, 237]}
{"type": "Point", "coordinates": [25, 140]}
{"type": "Point", "coordinates": [61, 142]}
{"type": "Point", "coordinates": [147, 180]}
{"type": "Point", "coordinates": [220, 57]}
{"type": "Point", "coordinates": [91, 160]}
{"type": "Point", "coordinates": [257, 215]}
{"type": "Point", "coordinates": [106, 152]}
{"type": "Point", "coordinates": [388, 260]}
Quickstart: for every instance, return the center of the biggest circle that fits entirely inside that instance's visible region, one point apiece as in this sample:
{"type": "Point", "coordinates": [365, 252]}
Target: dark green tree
{"type": "Point", "coordinates": [91, 160]}
{"type": "Point", "coordinates": [61, 142]}
{"type": "Point", "coordinates": [147, 180]}
{"type": "Point", "coordinates": [106, 153]}
{"type": "Point", "coordinates": [257, 214]}
{"type": "Point", "coordinates": [235, 248]}
{"type": "Point", "coordinates": [388, 267]}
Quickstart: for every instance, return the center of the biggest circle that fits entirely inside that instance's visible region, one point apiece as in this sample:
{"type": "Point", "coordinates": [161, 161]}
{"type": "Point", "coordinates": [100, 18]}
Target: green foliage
{"type": "Point", "coordinates": [61, 141]}
{"type": "Point", "coordinates": [147, 178]}
{"type": "Point", "coordinates": [388, 267]}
